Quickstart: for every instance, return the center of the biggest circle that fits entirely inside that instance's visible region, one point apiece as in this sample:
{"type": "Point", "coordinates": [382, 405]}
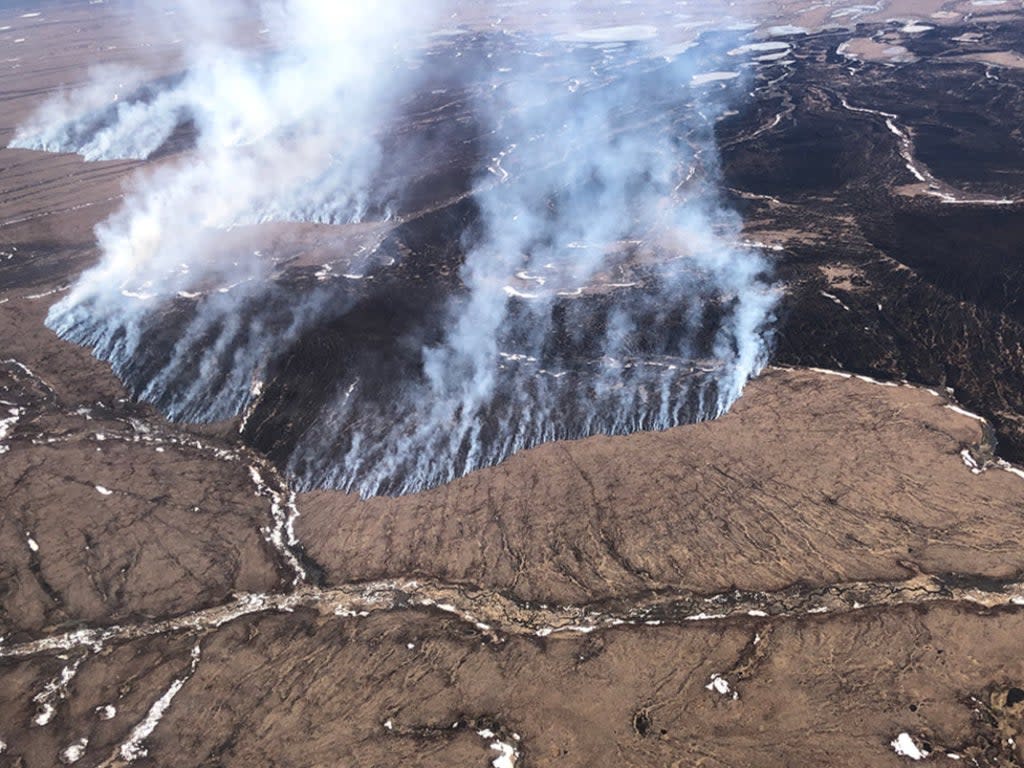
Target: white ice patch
{"type": "Point", "coordinates": [106, 712]}
{"type": "Point", "coordinates": [510, 291]}
{"type": "Point", "coordinates": [74, 752]}
{"type": "Point", "coordinates": [583, 629]}
{"type": "Point", "coordinates": [55, 690]}
{"type": "Point", "coordinates": [52, 291]}
{"type": "Point", "coordinates": [905, 746]}
{"type": "Point", "coordinates": [1011, 469]}
{"type": "Point", "coordinates": [133, 749]}
{"type": "Point", "coordinates": [835, 299]}
{"type": "Point", "coordinates": [44, 715]}
{"type": "Point", "coordinates": [7, 424]}
{"type": "Point", "coordinates": [713, 77]}
{"type": "Point", "coordinates": [970, 462]}
{"type": "Point", "coordinates": [508, 755]}
{"type": "Point", "coordinates": [675, 50]}
{"type": "Point", "coordinates": [255, 391]}
{"type": "Point", "coordinates": [283, 512]}
{"type": "Point", "coordinates": [948, 199]}
{"type": "Point", "coordinates": [140, 295]}
{"type": "Point", "coordinates": [516, 358]}
{"type": "Point", "coordinates": [962, 412]}
{"type": "Point", "coordinates": [770, 45]}
{"type": "Point", "coordinates": [784, 30]}
{"type": "Point", "coordinates": [104, 491]}
{"type": "Point", "coordinates": [876, 382]}
{"type": "Point", "coordinates": [720, 685]}
{"type": "Point", "coordinates": [623, 34]}
{"type": "Point", "coordinates": [763, 246]}
{"type": "Point", "coordinates": [827, 372]}
{"type": "Point", "coordinates": [522, 275]}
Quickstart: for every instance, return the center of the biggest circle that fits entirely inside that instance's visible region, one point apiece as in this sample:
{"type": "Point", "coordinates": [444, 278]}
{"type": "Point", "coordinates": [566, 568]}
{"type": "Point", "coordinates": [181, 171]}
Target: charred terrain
{"type": "Point", "coordinates": [830, 573]}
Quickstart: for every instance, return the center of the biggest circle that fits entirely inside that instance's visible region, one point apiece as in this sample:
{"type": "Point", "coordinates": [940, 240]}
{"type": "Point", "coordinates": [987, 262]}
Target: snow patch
{"type": "Point", "coordinates": [835, 299]}
{"type": "Point", "coordinates": [508, 755]}
{"type": "Point", "coordinates": [55, 690]}
{"type": "Point", "coordinates": [44, 715]}
{"type": "Point", "coordinates": [7, 424]}
{"type": "Point", "coordinates": [133, 749]}
{"type": "Point", "coordinates": [621, 34]}
{"type": "Point", "coordinates": [785, 30]}
{"type": "Point", "coordinates": [510, 291]}
{"type": "Point", "coordinates": [970, 462]}
{"type": "Point", "coordinates": [962, 412]}
{"type": "Point", "coordinates": [720, 685]}
{"type": "Point", "coordinates": [255, 391]}
{"type": "Point", "coordinates": [1005, 465]}
{"type": "Point", "coordinates": [770, 45]}
{"type": "Point", "coordinates": [283, 512]}
{"type": "Point", "coordinates": [905, 746]}
{"type": "Point", "coordinates": [713, 77]}
{"type": "Point", "coordinates": [74, 752]}
{"type": "Point", "coordinates": [827, 372]}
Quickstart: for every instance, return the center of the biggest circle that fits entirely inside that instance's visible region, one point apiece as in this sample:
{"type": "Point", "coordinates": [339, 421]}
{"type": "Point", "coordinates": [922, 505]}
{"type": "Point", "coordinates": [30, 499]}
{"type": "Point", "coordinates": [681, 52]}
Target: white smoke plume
{"type": "Point", "coordinates": [285, 133]}
{"type": "Point", "coordinates": [587, 212]}
{"type": "Point", "coordinates": [602, 284]}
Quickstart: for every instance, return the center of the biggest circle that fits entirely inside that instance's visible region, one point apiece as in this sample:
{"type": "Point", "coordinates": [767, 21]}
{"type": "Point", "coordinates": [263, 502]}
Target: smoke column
{"type": "Point", "coordinates": [599, 296]}
{"type": "Point", "coordinates": [286, 135]}
{"type": "Point", "coordinates": [603, 287]}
